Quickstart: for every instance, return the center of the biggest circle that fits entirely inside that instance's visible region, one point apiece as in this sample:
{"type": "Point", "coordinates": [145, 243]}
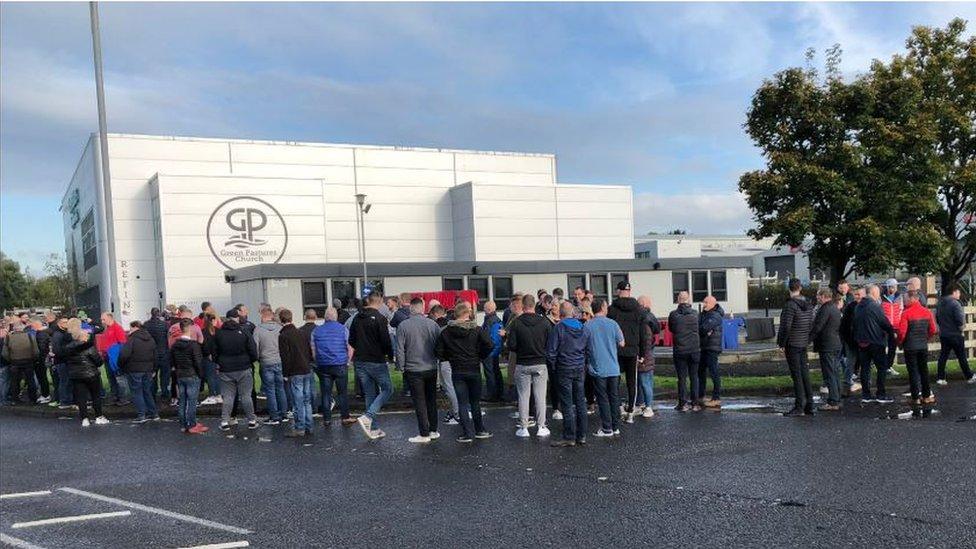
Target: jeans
{"type": "Point", "coordinates": [210, 374]}
{"type": "Point", "coordinates": [25, 373]}
{"type": "Point", "coordinates": [796, 359]}
{"type": "Point", "coordinates": [447, 386]}
{"type": "Point", "coordinates": [468, 389]}
{"type": "Point", "coordinates": [162, 383]}
{"type": "Point", "coordinates": [141, 384]}
{"type": "Point", "coordinates": [892, 349]}
{"type": "Point", "coordinates": [628, 369]}
{"type": "Point", "coordinates": [289, 398]}
{"type": "Point", "coordinates": [188, 390]}
{"type": "Point", "coordinates": [573, 400]}
{"type": "Point", "coordinates": [377, 386]}
{"type": "Point", "coordinates": [647, 387]}
{"type": "Point", "coordinates": [956, 345]}
{"type": "Point", "coordinates": [339, 377]}
{"type": "Point", "coordinates": [119, 390]}
{"type": "Point", "coordinates": [918, 372]}
{"type": "Point", "coordinates": [708, 367]}
{"type": "Point", "coordinates": [423, 392]}
{"type": "Point", "coordinates": [531, 381]}
{"type": "Point", "coordinates": [494, 384]}
{"type": "Point", "coordinates": [237, 385]}
{"type": "Point", "coordinates": [866, 355]}
{"type": "Point", "coordinates": [848, 364]}
{"type": "Point", "coordinates": [686, 366]}
{"type": "Point", "coordinates": [4, 385]}
{"type": "Point", "coordinates": [607, 391]}
{"type": "Point", "coordinates": [830, 361]}
{"type": "Point", "coordinates": [301, 396]}
{"type": "Point", "coordinates": [65, 396]}
{"type": "Point", "coordinates": [273, 387]}
{"type": "Point", "coordinates": [86, 388]}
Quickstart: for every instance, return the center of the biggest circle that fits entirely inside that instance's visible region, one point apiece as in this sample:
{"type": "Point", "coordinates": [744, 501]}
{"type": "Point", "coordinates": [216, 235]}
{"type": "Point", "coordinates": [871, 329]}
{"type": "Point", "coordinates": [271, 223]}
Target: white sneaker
{"type": "Point", "coordinates": [218, 399]}
{"type": "Point", "coordinates": [367, 424]}
{"type": "Point", "coordinates": [856, 387]}
{"type": "Point", "coordinates": [972, 380]}
{"type": "Point", "coordinates": [603, 434]}
{"type": "Point", "coordinates": [648, 412]}
{"type": "Point", "coordinates": [43, 400]}
{"type": "Point", "coordinates": [522, 432]}
{"type": "Point", "coordinates": [893, 372]}
{"type": "Point", "coordinates": [85, 423]}
{"type": "Point", "coordinates": [208, 401]}
{"type": "Point", "coordinates": [542, 432]}
{"type": "Point", "coordinates": [824, 391]}
{"type": "Point", "coordinates": [375, 434]}
{"type": "Point", "coordinates": [419, 439]}
{"type": "Point", "coordinates": [941, 382]}
{"type": "Point", "coordinates": [557, 415]}
{"type": "Point", "coordinates": [628, 418]}
{"type": "Point", "coordinates": [101, 420]}
{"type": "Point", "coordinates": [434, 435]}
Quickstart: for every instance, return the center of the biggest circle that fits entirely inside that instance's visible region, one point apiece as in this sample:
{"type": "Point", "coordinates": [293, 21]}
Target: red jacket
{"type": "Point", "coordinates": [916, 327]}
{"type": "Point", "coordinates": [893, 309]}
{"type": "Point", "coordinates": [113, 334]}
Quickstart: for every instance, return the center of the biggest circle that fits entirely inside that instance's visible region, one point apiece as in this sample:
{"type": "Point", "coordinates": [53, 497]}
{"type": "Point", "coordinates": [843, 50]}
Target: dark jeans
{"type": "Point", "coordinates": [588, 387]}
{"type": "Point", "coordinates": [468, 390]}
{"type": "Point", "coordinates": [141, 384]}
{"type": "Point", "coordinates": [796, 359]}
{"type": "Point", "coordinates": [866, 355]}
{"type": "Point", "coordinates": [552, 389]}
{"type": "Point", "coordinates": [607, 391]}
{"type": "Point", "coordinates": [188, 390]}
{"type": "Point", "coordinates": [892, 349]}
{"type": "Point", "coordinates": [64, 385]}
{"type": "Point", "coordinates": [494, 383]}
{"type": "Point", "coordinates": [954, 344]}
{"type": "Point", "coordinates": [918, 372]}
{"type": "Point", "coordinates": [423, 392]}
{"type": "Point", "coordinates": [40, 372]}
{"type": "Point", "coordinates": [84, 389]}
{"type": "Point", "coordinates": [830, 367]}
{"type": "Point", "coordinates": [686, 366]}
{"type": "Point", "coordinates": [573, 399]}
{"type": "Point", "coordinates": [709, 367]}
{"type": "Point", "coordinates": [25, 373]}
{"type": "Point", "coordinates": [161, 384]}
{"type": "Point", "coordinates": [339, 377]}
{"type": "Point", "coordinates": [628, 369]}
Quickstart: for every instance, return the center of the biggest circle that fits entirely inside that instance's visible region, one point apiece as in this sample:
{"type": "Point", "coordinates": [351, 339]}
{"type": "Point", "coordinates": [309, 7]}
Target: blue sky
{"type": "Point", "coordinates": [650, 95]}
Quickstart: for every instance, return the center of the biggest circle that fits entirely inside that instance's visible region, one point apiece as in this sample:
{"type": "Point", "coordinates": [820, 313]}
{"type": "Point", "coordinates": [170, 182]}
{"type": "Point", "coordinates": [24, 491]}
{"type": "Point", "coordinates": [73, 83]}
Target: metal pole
{"type": "Point", "coordinates": [362, 231]}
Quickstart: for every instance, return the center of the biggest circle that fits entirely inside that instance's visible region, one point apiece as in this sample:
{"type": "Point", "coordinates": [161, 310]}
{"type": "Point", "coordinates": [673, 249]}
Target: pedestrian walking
{"type": "Point", "coordinates": [951, 319]}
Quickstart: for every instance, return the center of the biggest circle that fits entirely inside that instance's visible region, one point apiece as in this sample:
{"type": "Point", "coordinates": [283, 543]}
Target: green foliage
{"type": "Point", "coordinates": [22, 290]}
{"type": "Point", "coordinates": [14, 286]}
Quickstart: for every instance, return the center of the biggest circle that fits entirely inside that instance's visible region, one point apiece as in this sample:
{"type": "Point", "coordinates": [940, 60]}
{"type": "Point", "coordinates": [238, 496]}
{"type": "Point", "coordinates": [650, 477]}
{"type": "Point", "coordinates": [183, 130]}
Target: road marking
{"type": "Point", "coordinates": [156, 510]}
{"type": "Point", "coordinates": [17, 542]}
{"type": "Point", "coordinates": [228, 545]}
{"type": "Point", "coordinates": [75, 518]}
{"type": "Point", "coordinates": [26, 494]}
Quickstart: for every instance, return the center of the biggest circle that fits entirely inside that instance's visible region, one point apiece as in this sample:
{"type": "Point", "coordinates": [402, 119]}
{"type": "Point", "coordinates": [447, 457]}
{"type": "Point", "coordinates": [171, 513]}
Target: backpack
{"type": "Point", "coordinates": [20, 347]}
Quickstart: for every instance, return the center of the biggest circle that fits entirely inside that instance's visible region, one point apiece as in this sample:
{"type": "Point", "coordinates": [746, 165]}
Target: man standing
{"type": "Point", "coordinates": [851, 362]}
{"type": "Point", "coordinates": [331, 352]}
{"type": "Point", "coordinates": [511, 313]}
{"type": "Point", "coordinates": [626, 312]}
{"type": "Point", "coordinates": [527, 337]}
{"type": "Point", "coordinates": [872, 331]}
{"type": "Point", "coordinates": [137, 360]}
{"type": "Point", "coordinates": [112, 334]}
{"type": "Point", "coordinates": [43, 338]}
{"type": "Point", "coordinates": [492, 325]}
{"type": "Point", "coordinates": [464, 344]}
{"type": "Point", "coordinates": [157, 328]}
{"type": "Point", "coordinates": [951, 319]}
{"type": "Point", "coordinates": [603, 339]}
{"type": "Point", "coordinates": [710, 332]}
{"type": "Point", "coordinates": [444, 375]}
{"type": "Point", "coordinates": [272, 379]}
{"type": "Point", "coordinates": [566, 348]}
{"type": "Point", "coordinates": [892, 304]}
{"type": "Point", "coordinates": [793, 338]}
{"type": "Point", "coordinates": [296, 365]}
{"type": "Point", "coordinates": [645, 368]}
{"type": "Point", "coordinates": [369, 336]}
{"type": "Point", "coordinates": [20, 352]}
{"type": "Point", "coordinates": [235, 354]}
{"type": "Point", "coordinates": [686, 350]}
{"type": "Point", "coordinates": [416, 342]}
{"type": "Point", "coordinates": [60, 338]}
{"type": "Point", "coordinates": [917, 326]}
{"type": "Point", "coordinates": [825, 335]}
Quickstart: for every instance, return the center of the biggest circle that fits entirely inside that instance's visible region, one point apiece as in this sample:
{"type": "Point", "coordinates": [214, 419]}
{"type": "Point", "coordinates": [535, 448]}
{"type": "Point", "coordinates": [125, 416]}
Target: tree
{"type": "Point", "coordinates": [677, 232]}
{"type": "Point", "coordinates": [57, 288]}
{"type": "Point", "coordinates": [14, 286]}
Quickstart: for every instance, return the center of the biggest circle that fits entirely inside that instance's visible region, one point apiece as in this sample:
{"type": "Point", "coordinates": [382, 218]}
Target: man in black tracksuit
{"type": "Point", "coordinates": [686, 350]}
{"type": "Point", "coordinates": [951, 319]}
{"type": "Point", "coordinates": [825, 335]}
{"type": "Point", "coordinates": [710, 332]}
{"type": "Point", "coordinates": [794, 336]}
{"type": "Point", "coordinates": [872, 331]}
{"type": "Point", "coordinates": [626, 312]}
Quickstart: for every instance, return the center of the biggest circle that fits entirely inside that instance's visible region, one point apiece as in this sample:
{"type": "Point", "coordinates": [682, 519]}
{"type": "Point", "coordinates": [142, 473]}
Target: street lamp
{"type": "Point", "coordinates": [363, 209]}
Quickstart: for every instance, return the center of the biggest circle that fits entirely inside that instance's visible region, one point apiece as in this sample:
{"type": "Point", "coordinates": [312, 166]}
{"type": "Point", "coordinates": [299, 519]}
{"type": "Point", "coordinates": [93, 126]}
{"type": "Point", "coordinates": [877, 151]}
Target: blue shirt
{"type": "Point", "coordinates": [603, 339]}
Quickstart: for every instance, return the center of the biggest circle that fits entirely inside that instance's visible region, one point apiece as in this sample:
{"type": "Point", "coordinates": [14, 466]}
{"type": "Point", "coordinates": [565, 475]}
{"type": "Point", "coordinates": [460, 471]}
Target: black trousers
{"type": "Point", "coordinates": [85, 389]}
{"type": "Point", "coordinates": [892, 349]}
{"type": "Point", "coordinates": [574, 404]}
{"type": "Point", "coordinates": [918, 372]}
{"type": "Point", "coordinates": [608, 400]}
{"type": "Point", "coordinates": [467, 387]}
{"type": "Point", "coordinates": [423, 392]}
{"type": "Point", "coordinates": [553, 388]}
{"type": "Point", "coordinates": [686, 366]}
{"type": "Point", "coordinates": [796, 358]}
{"type": "Point", "coordinates": [953, 344]}
{"type": "Point", "coordinates": [40, 372]}
{"type": "Point", "coordinates": [25, 373]}
{"type": "Point", "coordinates": [628, 368]}
{"type": "Point", "coordinates": [867, 355]}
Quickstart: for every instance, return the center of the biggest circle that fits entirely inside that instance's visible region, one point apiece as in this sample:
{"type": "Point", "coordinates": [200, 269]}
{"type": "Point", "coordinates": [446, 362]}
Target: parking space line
{"type": "Point", "coordinates": [75, 518]}
{"type": "Point", "coordinates": [17, 542]}
{"type": "Point", "coordinates": [26, 494]}
{"type": "Point", "coordinates": [228, 545]}
{"type": "Point", "coordinates": [156, 510]}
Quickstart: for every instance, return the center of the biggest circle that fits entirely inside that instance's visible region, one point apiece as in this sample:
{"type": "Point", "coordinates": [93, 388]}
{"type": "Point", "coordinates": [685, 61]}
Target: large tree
{"type": "Point", "coordinates": [14, 286]}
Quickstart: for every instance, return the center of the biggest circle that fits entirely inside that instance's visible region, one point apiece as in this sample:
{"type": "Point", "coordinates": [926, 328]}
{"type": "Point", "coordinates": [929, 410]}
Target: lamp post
{"type": "Point", "coordinates": [363, 209]}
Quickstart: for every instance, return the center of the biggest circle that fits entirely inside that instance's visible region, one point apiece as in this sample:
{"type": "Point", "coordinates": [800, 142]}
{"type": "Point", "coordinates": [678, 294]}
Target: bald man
{"type": "Point", "coordinates": [710, 332]}
{"type": "Point", "coordinates": [871, 333]}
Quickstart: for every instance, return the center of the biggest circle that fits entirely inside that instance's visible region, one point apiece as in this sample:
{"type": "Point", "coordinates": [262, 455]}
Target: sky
{"type": "Point", "coordinates": [648, 95]}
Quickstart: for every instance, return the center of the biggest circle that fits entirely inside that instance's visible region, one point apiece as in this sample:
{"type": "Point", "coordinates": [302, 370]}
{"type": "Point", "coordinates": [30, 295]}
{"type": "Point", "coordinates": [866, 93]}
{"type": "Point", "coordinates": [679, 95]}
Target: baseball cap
{"type": "Point", "coordinates": [891, 282]}
{"type": "Point", "coordinates": [623, 285]}
{"type": "Point", "coordinates": [233, 313]}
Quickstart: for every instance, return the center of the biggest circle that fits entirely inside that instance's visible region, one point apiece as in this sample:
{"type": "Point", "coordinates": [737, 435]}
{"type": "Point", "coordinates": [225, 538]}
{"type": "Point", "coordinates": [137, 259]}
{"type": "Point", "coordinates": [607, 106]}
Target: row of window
{"type": "Point", "coordinates": [700, 284]}
{"type": "Point", "coordinates": [88, 240]}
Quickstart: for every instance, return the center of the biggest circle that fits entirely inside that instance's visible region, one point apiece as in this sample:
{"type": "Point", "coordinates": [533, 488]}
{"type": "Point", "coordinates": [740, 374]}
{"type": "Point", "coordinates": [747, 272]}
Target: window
{"type": "Point", "coordinates": [313, 297]}
{"type": "Point", "coordinates": [88, 240]}
{"type": "Point", "coordinates": [480, 285]}
{"type": "Point", "coordinates": [598, 285]}
{"type": "Point", "coordinates": [377, 286]}
{"type": "Point", "coordinates": [719, 290]}
{"type": "Point", "coordinates": [453, 283]}
{"type": "Point", "coordinates": [502, 291]}
{"type": "Point", "coordinates": [343, 289]}
{"type": "Point", "coordinates": [699, 286]}
{"type": "Point", "coordinates": [617, 279]}
{"type": "Point", "coordinates": [574, 280]}
{"type": "Point", "coordinates": [679, 283]}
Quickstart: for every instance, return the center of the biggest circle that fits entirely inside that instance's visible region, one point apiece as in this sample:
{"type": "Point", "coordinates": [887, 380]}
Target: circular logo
{"type": "Point", "coordinates": [246, 231]}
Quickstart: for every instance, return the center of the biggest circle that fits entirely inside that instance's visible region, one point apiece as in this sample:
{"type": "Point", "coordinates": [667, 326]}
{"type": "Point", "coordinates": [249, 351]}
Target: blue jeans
{"type": "Point", "coordinates": [375, 377]}
{"type": "Point", "coordinates": [4, 385]}
{"type": "Point", "coordinates": [708, 367]}
{"type": "Point", "coordinates": [119, 390]}
{"type": "Point", "coordinates": [289, 397]}
{"type": "Point", "coordinates": [210, 374]}
{"type": "Point", "coordinates": [607, 391]}
{"type": "Point", "coordinates": [329, 376]}
{"type": "Point", "coordinates": [141, 384]}
{"type": "Point", "coordinates": [65, 396]}
{"type": "Point", "coordinates": [273, 386]}
{"type": "Point", "coordinates": [188, 389]}
{"type": "Point", "coordinates": [161, 385]}
{"type": "Point", "coordinates": [301, 395]}
{"type": "Point", "coordinates": [572, 399]}
{"type": "Point", "coordinates": [646, 387]}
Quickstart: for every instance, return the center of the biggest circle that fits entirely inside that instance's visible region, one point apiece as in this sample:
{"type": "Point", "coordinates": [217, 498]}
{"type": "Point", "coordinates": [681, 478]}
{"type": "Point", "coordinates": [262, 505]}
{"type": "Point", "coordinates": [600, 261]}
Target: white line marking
{"type": "Point", "coordinates": [156, 510]}
{"type": "Point", "coordinates": [228, 545]}
{"type": "Point", "coordinates": [26, 494]}
{"type": "Point", "coordinates": [17, 542]}
{"type": "Point", "coordinates": [76, 518]}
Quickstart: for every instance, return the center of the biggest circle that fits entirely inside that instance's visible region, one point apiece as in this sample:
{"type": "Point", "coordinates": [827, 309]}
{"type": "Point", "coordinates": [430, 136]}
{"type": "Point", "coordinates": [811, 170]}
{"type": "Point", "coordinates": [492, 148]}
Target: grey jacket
{"type": "Point", "coordinates": [266, 340]}
{"type": "Point", "coordinates": [415, 341]}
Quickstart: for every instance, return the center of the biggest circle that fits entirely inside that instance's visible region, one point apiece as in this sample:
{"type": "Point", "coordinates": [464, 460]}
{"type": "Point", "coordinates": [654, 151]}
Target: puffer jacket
{"type": "Point", "coordinates": [683, 324]}
{"type": "Point", "coordinates": [138, 355]}
{"type": "Point", "coordinates": [186, 358]}
{"type": "Point", "coordinates": [795, 322]}
{"type": "Point", "coordinates": [950, 316]}
{"type": "Point", "coordinates": [159, 331]}
{"type": "Point", "coordinates": [893, 306]}
{"type": "Point", "coordinates": [233, 350]}
{"type": "Point", "coordinates": [710, 329]}
{"type": "Point", "coordinates": [825, 333]}
{"type": "Point", "coordinates": [871, 326]}
{"type": "Point", "coordinates": [915, 328]}
{"type": "Point", "coordinates": [628, 314]}
{"type": "Point", "coordinates": [566, 347]}
{"type": "Point", "coordinates": [464, 345]}
{"type": "Point", "coordinates": [82, 358]}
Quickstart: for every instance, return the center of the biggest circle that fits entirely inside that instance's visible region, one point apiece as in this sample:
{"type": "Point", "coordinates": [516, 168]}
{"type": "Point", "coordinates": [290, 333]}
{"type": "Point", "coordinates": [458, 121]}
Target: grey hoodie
{"type": "Point", "coordinates": [266, 339]}
{"type": "Point", "coordinates": [415, 340]}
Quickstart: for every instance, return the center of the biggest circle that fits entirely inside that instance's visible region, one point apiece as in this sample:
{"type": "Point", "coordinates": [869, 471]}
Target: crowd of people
{"type": "Point", "coordinates": [564, 354]}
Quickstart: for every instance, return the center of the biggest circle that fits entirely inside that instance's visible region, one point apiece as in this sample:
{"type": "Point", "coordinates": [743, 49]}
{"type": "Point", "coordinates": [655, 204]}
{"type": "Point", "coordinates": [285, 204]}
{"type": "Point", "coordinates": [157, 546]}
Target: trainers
{"type": "Point", "coordinates": [795, 412]}
{"type": "Point", "coordinates": [85, 423]}
{"type": "Point", "coordinates": [884, 399]}
{"type": "Point", "coordinates": [971, 380]}
{"type": "Point", "coordinates": [522, 432]}
{"type": "Point", "coordinates": [695, 408]}
{"type": "Point", "coordinates": [449, 419]}
{"type": "Point", "coordinates": [603, 434]}
{"type": "Point", "coordinates": [348, 421]}
{"type": "Point", "coordinates": [208, 401]}
{"type": "Point", "coordinates": [155, 418]}
{"type": "Point", "coordinates": [43, 400]}
{"type": "Point", "coordinates": [289, 415]}
{"type": "Point", "coordinates": [419, 439]}
{"type": "Point", "coordinates": [270, 421]}
{"type": "Point", "coordinates": [252, 424]}
{"type": "Point", "coordinates": [464, 439]}
{"type": "Point", "coordinates": [197, 429]}
{"type": "Point", "coordinates": [648, 412]}
{"type": "Point", "coordinates": [557, 415]}
{"type": "Point", "coordinates": [366, 423]}
{"type": "Point", "coordinates": [483, 435]}
{"type": "Point", "coordinates": [375, 434]}
{"type": "Point", "coordinates": [893, 372]}
{"type": "Point", "coordinates": [140, 420]}
{"type": "Point", "coordinates": [218, 399]}
{"type": "Point", "coordinates": [941, 382]}
{"type": "Point", "coordinates": [628, 418]}
{"type": "Point", "coordinates": [542, 432]}
{"type": "Point", "coordinates": [713, 403]}
{"type": "Point", "coordinates": [224, 426]}
{"type": "Point", "coordinates": [828, 408]}
{"type": "Point", "coordinates": [823, 391]}
{"type": "Point", "coordinates": [101, 420]}
{"type": "Point", "coordinates": [928, 400]}
{"type": "Point", "coordinates": [616, 432]}
{"type": "Point", "coordinates": [434, 435]}
{"type": "Point", "coordinates": [513, 415]}
{"type": "Point", "coordinates": [856, 387]}
{"type": "Point", "coordinates": [65, 407]}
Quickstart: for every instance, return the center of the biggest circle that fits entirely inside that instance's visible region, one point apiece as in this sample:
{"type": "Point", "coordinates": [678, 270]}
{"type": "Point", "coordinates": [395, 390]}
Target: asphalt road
{"type": "Point", "coordinates": [728, 479]}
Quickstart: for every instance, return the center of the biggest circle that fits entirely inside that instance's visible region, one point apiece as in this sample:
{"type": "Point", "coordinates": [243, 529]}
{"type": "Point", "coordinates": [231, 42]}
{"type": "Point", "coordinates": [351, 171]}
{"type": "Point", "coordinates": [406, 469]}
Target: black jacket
{"type": "Point", "coordinates": [369, 336]}
{"type": "Point", "coordinates": [464, 345]}
{"type": "Point", "coordinates": [871, 326]}
{"type": "Point", "coordinates": [59, 338]}
{"type": "Point", "coordinates": [528, 338]}
{"type": "Point", "coordinates": [825, 332]}
{"type": "Point", "coordinates": [847, 323]}
{"type": "Point", "coordinates": [138, 354]}
{"type": "Point", "coordinates": [43, 338]}
{"type": "Point", "coordinates": [82, 358]}
{"type": "Point", "coordinates": [295, 350]}
{"type": "Point", "coordinates": [159, 331]}
{"type": "Point", "coordinates": [233, 349]}
{"type": "Point", "coordinates": [949, 315]}
{"type": "Point", "coordinates": [683, 324]}
{"type": "Point", "coordinates": [628, 314]}
{"type": "Point", "coordinates": [186, 358]}
{"type": "Point", "coordinates": [306, 331]}
{"type": "Point", "coordinates": [794, 323]}
{"type": "Point", "coordinates": [710, 329]}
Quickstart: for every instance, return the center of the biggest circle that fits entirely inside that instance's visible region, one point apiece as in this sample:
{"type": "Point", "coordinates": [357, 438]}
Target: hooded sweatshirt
{"type": "Point", "coordinates": [527, 339]}
{"type": "Point", "coordinates": [369, 336]}
{"type": "Point", "coordinates": [416, 339]}
{"type": "Point", "coordinates": [464, 344]}
{"type": "Point", "coordinates": [566, 347]}
{"type": "Point", "coordinates": [683, 323]}
{"type": "Point", "coordinates": [628, 314]}
{"type": "Point", "coordinates": [233, 350]}
{"type": "Point", "coordinates": [266, 341]}
{"type": "Point", "coordinates": [795, 322]}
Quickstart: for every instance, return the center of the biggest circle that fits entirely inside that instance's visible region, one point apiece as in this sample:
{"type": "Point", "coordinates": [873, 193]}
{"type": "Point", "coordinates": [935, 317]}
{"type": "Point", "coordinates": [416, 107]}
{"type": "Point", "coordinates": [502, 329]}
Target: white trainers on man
{"type": "Point", "coordinates": [648, 412]}
{"type": "Point", "coordinates": [522, 432]}
{"type": "Point", "coordinates": [85, 423]}
{"type": "Point", "coordinates": [941, 382]}
{"type": "Point", "coordinates": [367, 424]}
{"type": "Point", "coordinates": [542, 432]}
{"type": "Point", "coordinates": [419, 439]}
{"type": "Point", "coordinates": [101, 420]}
{"type": "Point", "coordinates": [893, 372]}
{"type": "Point", "coordinates": [557, 415]}
{"type": "Point", "coordinates": [434, 435]}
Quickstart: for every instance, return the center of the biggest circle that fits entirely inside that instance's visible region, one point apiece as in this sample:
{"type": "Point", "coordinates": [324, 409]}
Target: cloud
{"type": "Point", "coordinates": [695, 212]}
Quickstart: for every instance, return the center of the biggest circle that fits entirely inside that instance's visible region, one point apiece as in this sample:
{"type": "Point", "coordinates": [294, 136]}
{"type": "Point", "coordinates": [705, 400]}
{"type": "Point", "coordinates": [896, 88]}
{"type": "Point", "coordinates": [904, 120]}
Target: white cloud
{"type": "Point", "coordinates": [695, 212]}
